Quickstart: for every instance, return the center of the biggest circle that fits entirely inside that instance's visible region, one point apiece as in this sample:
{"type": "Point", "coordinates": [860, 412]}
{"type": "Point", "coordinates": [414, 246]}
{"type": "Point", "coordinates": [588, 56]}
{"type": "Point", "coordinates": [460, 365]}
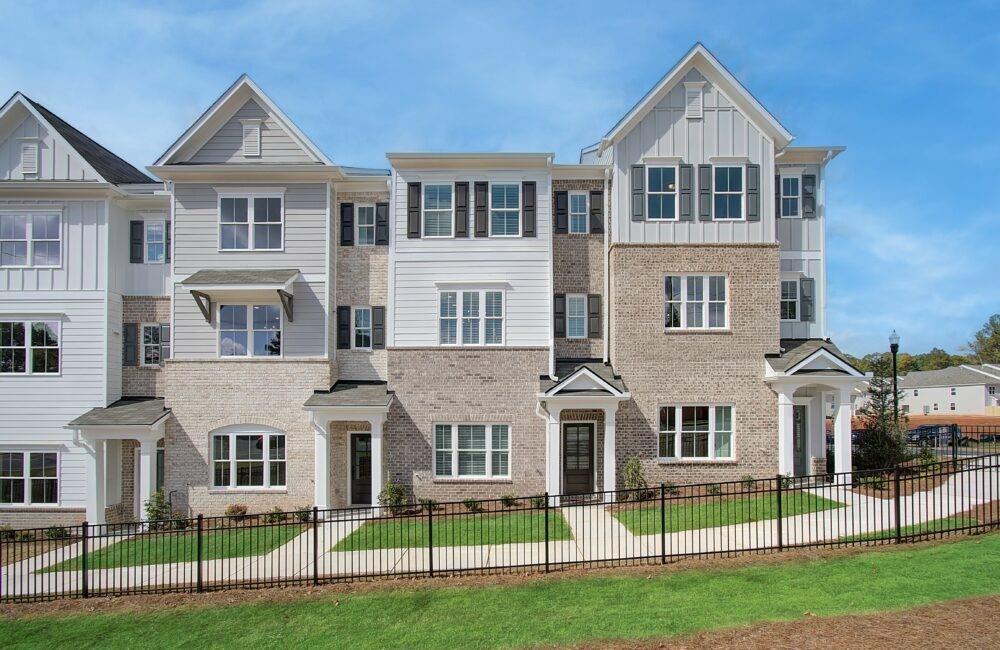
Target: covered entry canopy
{"type": "Point", "coordinates": [213, 285]}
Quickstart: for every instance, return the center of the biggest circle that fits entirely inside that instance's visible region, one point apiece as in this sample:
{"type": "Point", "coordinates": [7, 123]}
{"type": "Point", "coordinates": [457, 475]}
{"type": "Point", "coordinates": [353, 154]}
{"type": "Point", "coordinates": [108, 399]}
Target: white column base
{"type": "Point", "coordinates": [96, 479]}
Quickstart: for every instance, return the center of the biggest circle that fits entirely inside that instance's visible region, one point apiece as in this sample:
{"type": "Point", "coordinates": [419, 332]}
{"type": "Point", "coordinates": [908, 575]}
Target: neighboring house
{"type": "Point", "coordinates": [466, 324]}
{"type": "Point", "coordinates": [958, 390]}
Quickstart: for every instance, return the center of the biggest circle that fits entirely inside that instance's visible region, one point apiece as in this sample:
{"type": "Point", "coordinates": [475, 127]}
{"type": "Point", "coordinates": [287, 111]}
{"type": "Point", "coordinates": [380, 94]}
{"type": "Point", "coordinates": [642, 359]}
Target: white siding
{"type": "Point", "coordinates": [56, 160]}
{"type": "Point", "coordinates": [803, 234]}
{"type": "Point", "coordinates": [795, 269]}
{"type": "Point", "coordinates": [130, 279]}
{"type": "Point", "coordinates": [969, 400]}
{"type": "Point", "coordinates": [276, 146]}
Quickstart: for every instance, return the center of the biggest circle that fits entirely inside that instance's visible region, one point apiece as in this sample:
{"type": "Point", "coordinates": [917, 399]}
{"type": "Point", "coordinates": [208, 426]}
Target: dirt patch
{"type": "Point", "coordinates": [984, 513]}
{"type": "Point", "coordinates": [15, 551]}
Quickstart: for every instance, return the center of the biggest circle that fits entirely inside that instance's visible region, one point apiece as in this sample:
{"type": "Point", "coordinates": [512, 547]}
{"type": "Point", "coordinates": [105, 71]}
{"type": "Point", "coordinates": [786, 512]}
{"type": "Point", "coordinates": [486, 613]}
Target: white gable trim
{"type": "Point", "coordinates": [826, 355]}
{"type": "Point", "coordinates": [193, 133]}
{"type": "Point", "coordinates": [577, 377]}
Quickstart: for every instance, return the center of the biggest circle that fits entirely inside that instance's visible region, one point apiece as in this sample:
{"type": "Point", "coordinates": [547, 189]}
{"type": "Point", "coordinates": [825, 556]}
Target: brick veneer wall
{"type": "Point", "coordinates": [444, 386]}
{"type": "Point", "coordinates": [206, 395]}
{"type": "Point", "coordinates": [662, 368]}
{"type": "Point", "coordinates": [41, 517]}
{"type": "Point", "coordinates": [139, 381]}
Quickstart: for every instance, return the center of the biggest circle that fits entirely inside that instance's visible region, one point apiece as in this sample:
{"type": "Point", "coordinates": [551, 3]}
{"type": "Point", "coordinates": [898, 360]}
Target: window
{"type": "Point", "coordinates": [992, 390]}
{"type": "Point", "coordinates": [472, 451]}
{"type": "Point", "coordinates": [685, 304]}
{"type": "Point", "coordinates": [151, 350]}
{"type": "Point", "coordinates": [661, 192]}
{"type": "Point", "coordinates": [29, 347]}
{"type": "Point", "coordinates": [729, 192]}
{"type": "Point", "coordinates": [505, 210]}
{"type": "Point", "coordinates": [248, 460]}
{"type": "Point", "coordinates": [702, 432]}
{"type": "Point", "coordinates": [238, 213]}
{"type": "Point", "coordinates": [578, 217]}
{"type": "Point", "coordinates": [576, 316]}
{"type": "Point", "coordinates": [362, 328]}
{"type": "Point", "coordinates": [438, 218]}
{"type": "Point", "coordinates": [935, 406]}
{"type": "Point", "coordinates": [29, 477]}
{"type": "Point", "coordinates": [916, 392]}
{"type": "Point", "coordinates": [258, 335]}
{"type": "Point", "coordinates": [156, 242]}
{"type": "Point", "coordinates": [906, 408]}
{"type": "Point", "coordinates": [952, 406]}
{"type": "Point", "coordinates": [366, 225]}
{"type": "Point", "coordinates": [790, 196]}
{"type": "Point", "coordinates": [481, 317]}
{"type": "Point", "coordinates": [789, 300]}
{"type": "Point", "coordinates": [952, 391]}
{"type": "Point", "coordinates": [30, 240]}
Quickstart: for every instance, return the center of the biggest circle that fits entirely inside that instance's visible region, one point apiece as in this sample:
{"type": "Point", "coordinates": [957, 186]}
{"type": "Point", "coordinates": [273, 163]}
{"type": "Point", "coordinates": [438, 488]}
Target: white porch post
{"type": "Point", "coordinates": [552, 455]}
{"type": "Point", "coordinates": [96, 482]}
{"type": "Point", "coordinates": [321, 464]}
{"type": "Point", "coordinates": [842, 432]}
{"type": "Point", "coordinates": [786, 460]}
{"type": "Point", "coordinates": [147, 475]}
{"type": "Point", "coordinates": [610, 464]}
{"type": "Point", "coordinates": [376, 425]}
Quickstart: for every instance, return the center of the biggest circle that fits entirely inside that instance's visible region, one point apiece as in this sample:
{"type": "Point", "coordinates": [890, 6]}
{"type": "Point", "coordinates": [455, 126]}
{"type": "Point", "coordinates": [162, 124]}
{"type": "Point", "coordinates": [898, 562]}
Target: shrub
{"type": "Point", "coordinates": [304, 514]}
{"type": "Point", "coordinates": [748, 482]}
{"type": "Point", "coordinates": [6, 534]}
{"type": "Point", "coordinates": [56, 532]}
{"type": "Point", "coordinates": [874, 481]}
{"type": "Point", "coordinates": [181, 524]}
{"type": "Point", "coordinates": [714, 489]}
{"type": "Point", "coordinates": [393, 496]}
{"type": "Point", "coordinates": [23, 536]}
{"type": "Point", "coordinates": [926, 456]}
{"type": "Point", "coordinates": [236, 511]}
{"type": "Point", "coordinates": [786, 482]}
{"type": "Point", "coordinates": [472, 505]}
{"type": "Point", "coordinates": [157, 510]}
{"type": "Point", "coordinates": [508, 500]}
{"type": "Point", "coordinates": [672, 488]}
{"type": "Point", "coordinates": [635, 481]}
{"type": "Point", "coordinates": [428, 505]}
{"type": "Point", "coordinates": [275, 516]}
{"type": "Point", "coordinates": [538, 501]}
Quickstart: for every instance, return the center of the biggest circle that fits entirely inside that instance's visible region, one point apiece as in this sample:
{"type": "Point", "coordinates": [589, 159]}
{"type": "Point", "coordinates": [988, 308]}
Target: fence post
{"type": "Point", "coordinates": [546, 532]}
{"type": "Point", "coordinates": [430, 540]}
{"type": "Point", "coordinates": [83, 562]}
{"type": "Point", "coordinates": [899, 523]}
{"type": "Point", "coordinates": [315, 519]}
{"type": "Point", "coordinates": [954, 443]}
{"type": "Point", "coordinates": [200, 551]}
{"type": "Point", "coordinates": [781, 525]}
{"type": "Point", "coordinates": [663, 523]}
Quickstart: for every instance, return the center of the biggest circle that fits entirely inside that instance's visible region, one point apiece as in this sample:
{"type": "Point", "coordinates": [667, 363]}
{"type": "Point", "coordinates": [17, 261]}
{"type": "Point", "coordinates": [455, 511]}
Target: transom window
{"type": "Point", "coordinates": [729, 192]}
{"type": "Point", "coordinates": [366, 225]}
{"type": "Point", "coordinates": [576, 316]}
{"type": "Point", "coordinates": [248, 460]}
{"type": "Point", "coordinates": [482, 314]}
{"type": "Point", "coordinates": [578, 216]}
{"type": "Point", "coordinates": [363, 328]}
{"type": "Point", "coordinates": [472, 451]}
{"type": "Point", "coordinates": [695, 302]}
{"type": "Point", "coordinates": [29, 347]}
{"type": "Point", "coordinates": [661, 192]}
{"type": "Point", "coordinates": [30, 240]}
{"type": "Point", "coordinates": [790, 193]}
{"type": "Point", "coordinates": [249, 330]}
{"type": "Point", "coordinates": [789, 300]}
{"type": "Point", "coordinates": [505, 210]}
{"type": "Point", "coordinates": [701, 432]}
{"type": "Point", "coordinates": [29, 477]}
{"type": "Point", "coordinates": [156, 241]}
{"type": "Point", "coordinates": [238, 213]}
{"type": "Point", "coordinates": [438, 204]}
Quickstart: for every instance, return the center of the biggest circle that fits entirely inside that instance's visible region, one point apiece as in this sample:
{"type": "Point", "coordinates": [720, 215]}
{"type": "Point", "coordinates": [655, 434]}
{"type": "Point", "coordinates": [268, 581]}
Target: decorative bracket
{"type": "Point", "coordinates": [204, 302]}
{"type": "Point", "coordinates": [286, 303]}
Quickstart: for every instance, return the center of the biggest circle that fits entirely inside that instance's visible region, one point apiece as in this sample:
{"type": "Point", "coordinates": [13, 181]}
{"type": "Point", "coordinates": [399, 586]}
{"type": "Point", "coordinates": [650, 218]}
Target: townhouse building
{"type": "Point", "coordinates": [272, 328]}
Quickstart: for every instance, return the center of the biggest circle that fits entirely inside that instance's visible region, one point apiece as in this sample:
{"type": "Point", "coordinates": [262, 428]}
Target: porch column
{"type": "Point", "coordinates": [147, 474]}
{"type": "Point", "coordinates": [610, 465]}
{"type": "Point", "coordinates": [376, 425]}
{"type": "Point", "coordinates": [96, 480]}
{"type": "Point", "coordinates": [321, 464]}
{"type": "Point", "coordinates": [552, 455]}
{"type": "Point", "coordinates": [786, 460]}
{"type": "Point", "coordinates": [842, 432]}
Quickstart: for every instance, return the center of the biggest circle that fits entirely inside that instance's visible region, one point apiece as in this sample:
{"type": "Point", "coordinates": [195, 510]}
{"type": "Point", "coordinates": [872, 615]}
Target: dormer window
{"type": "Point", "coordinates": [251, 138]}
{"type": "Point", "coordinates": [693, 100]}
{"type": "Point", "coordinates": [29, 157]}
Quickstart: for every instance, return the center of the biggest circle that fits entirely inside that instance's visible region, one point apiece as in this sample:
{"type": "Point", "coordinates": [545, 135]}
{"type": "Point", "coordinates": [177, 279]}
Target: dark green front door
{"type": "Point", "coordinates": [578, 458]}
{"type": "Point", "coordinates": [361, 468]}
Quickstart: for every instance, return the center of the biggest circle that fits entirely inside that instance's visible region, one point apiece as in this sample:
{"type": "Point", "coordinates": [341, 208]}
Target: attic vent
{"type": "Point", "coordinates": [29, 157]}
{"type": "Point", "coordinates": [251, 138]}
{"type": "Point", "coordinates": [692, 100]}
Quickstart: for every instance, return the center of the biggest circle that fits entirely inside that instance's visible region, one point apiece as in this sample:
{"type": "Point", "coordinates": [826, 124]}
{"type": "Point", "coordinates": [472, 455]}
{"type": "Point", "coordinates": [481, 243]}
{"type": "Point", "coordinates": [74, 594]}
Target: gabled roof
{"type": "Point", "coordinates": [352, 394]}
{"type": "Point", "coordinates": [699, 56]}
{"type": "Point", "coordinates": [102, 160]}
{"type": "Point", "coordinates": [128, 411]}
{"type": "Point", "coordinates": [952, 376]}
{"type": "Point", "coordinates": [224, 107]}
{"type": "Point", "coordinates": [798, 353]}
{"type": "Point", "coordinates": [582, 377]}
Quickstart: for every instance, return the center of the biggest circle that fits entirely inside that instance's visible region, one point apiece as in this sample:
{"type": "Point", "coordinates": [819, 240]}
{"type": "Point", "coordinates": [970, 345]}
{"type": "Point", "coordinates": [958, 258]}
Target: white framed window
{"type": "Point", "coordinates": [695, 302]}
{"type": "Point", "coordinates": [251, 222]}
{"type": "Point", "coordinates": [250, 330]}
{"type": "Point", "coordinates": [952, 406]}
{"type": "Point", "coordinates": [505, 210]}
{"type": "Point", "coordinates": [439, 205]}
{"type": "Point", "coordinates": [155, 241]}
{"type": "Point", "coordinates": [953, 391]}
{"type": "Point", "coordinates": [29, 347]}
{"type": "Point", "coordinates": [481, 312]}
{"type": "Point", "coordinates": [703, 432]}
{"type": "Point", "coordinates": [242, 460]}
{"type": "Point", "coordinates": [151, 353]}
{"type": "Point", "coordinates": [728, 192]}
{"type": "Point", "coordinates": [31, 240]}
{"type": "Point", "coordinates": [579, 216]}
{"type": "Point", "coordinates": [365, 224]}
{"type": "Point", "coordinates": [789, 300]}
{"type": "Point", "coordinates": [448, 318]}
{"type": "Point", "coordinates": [576, 316]}
{"type": "Point", "coordinates": [362, 328]}
{"type": "Point", "coordinates": [472, 451]}
{"type": "Point", "coordinates": [29, 477]}
{"type": "Point", "coordinates": [791, 195]}
{"type": "Point", "coordinates": [661, 193]}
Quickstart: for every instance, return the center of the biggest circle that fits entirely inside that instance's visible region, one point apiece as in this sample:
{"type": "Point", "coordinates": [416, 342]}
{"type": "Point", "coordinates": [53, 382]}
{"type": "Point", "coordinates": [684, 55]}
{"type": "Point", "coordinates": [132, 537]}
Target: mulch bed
{"type": "Point", "coordinates": [17, 551]}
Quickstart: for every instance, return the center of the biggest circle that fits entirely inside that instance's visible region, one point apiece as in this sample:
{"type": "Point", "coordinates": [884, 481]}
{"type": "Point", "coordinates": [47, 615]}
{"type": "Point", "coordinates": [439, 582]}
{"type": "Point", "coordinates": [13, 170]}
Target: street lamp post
{"type": "Point", "coordinates": [894, 348]}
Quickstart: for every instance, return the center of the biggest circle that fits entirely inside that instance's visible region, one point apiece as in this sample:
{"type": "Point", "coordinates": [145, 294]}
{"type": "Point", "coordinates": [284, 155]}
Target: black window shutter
{"type": "Point", "coordinates": [482, 209]}
{"type": "Point", "coordinates": [343, 328]}
{"type": "Point", "coordinates": [378, 328]}
{"type": "Point", "coordinates": [807, 292]}
{"type": "Point", "coordinates": [528, 208]}
{"type": "Point", "coordinates": [167, 239]}
{"type": "Point", "coordinates": [461, 209]}
{"type": "Point", "coordinates": [753, 192]}
{"type": "Point", "coordinates": [381, 224]}
{"type": "Point", "coordinates": [777, 196]}
{"type": "Point", "coordinates": [685, 193]}
{"type": "Point", "coordinates": [413, 210]}
{"type": "Point", "coordinates": [347, 224]}
{"type": "Point", "coordinates": [594, 316]}
{"type": "Point", "coordinates": [562, 213]}
{"type": "Point", "coordinates": [638, 192]}
{"type": "Point", "coordinates": [559, 315]}
{"type": "Point", "coordinates": [596, 212]}
{"type": "Point", "coordinates": [130, 344]}
{"type": "Point", "coordinates": [704, 192]}
{"type": "Point", "coordinates": [135, 232]}
{"type": "Point", "coordinates": [809, 196]}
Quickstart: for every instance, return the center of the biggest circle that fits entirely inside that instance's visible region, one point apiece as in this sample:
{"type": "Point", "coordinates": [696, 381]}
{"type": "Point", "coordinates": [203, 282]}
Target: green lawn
{"type": "Point", "coordinates": [683, 515]}
{"type": "Point", "coordinates": [932, 526]}
{"type": "Point", "coordinates": [562, 610]}
{"type": "Point", "coordinates": [182, 547]}
{"type": "Point", "coordinates": [456, 530]}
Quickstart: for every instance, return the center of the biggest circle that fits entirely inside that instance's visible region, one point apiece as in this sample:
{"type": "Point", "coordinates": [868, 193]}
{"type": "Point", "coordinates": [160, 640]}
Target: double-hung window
{"type": "Point", "coordinates": [29, 477]}
{"type": "Point", "coordinates": [155, 241]}
{"type": "Point", "coordinates": [472, 451]}
{"type": "Point", "coordinates": [481, 313]}
{"type": "Point", "coordinates": [248, 460]}
{"type": "Point", "coordinates": [249, 330]}
{"type": "Point", "coordinates": [438, 205]}
{"type": "Point", "coordinates": [729, 192]}
{"type": "Point", "coordinates": [151, 351]}
{"type": "Point", "coordinates": [29, 347]}
{"type": "Point", "coordinates": [576, 316]}
{"type": "Point", "coordinates": [661, 192]}
{"type": "Point", "coordinates": [696, 432]}
{"type": "Point", "coordinates": [789, 300]}
{"type": "Point", "coordinates": [790, 195]}
{"type": "Point", "coordinates": [695, 302]}
{"type": "Point", "coordinates": [578, 215]}
{"type": "Point", "coordinates": [253, 222]}
{"type": "Point", "coordinates": [366, 225]}
{"type": "Point", "coordinates": [505, 210]}
{"type": "Point", "coordinates": [31, 240]}
{"type": "Point", "coordinates": [363, 328]}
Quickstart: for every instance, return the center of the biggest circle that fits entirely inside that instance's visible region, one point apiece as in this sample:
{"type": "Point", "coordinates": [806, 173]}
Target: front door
{"type": "Point", "coordinates": [578, 458]}
{"type": "Point", "coordinates": [800, 434]}
{"type": "Point", "coordinates": [361, 468]}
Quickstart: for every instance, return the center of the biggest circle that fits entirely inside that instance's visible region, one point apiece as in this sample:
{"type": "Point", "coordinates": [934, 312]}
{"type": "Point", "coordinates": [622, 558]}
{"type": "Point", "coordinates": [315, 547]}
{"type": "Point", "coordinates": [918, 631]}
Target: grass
{"type": "Point", "coordinates": [686, 515]}
{"type": "Point", "coordinates": [932, 526]}
{"type": "Point", "coordinates": [163, 548]}
{"type": "Point", "coordinates": [456, 530]}
{"type": "Point", "coordinates": [564, 610]}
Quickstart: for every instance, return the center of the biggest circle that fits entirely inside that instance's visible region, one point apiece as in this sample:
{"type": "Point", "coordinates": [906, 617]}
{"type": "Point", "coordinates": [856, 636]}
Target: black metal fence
{"type": "Point", "coordinates": [755, 515]}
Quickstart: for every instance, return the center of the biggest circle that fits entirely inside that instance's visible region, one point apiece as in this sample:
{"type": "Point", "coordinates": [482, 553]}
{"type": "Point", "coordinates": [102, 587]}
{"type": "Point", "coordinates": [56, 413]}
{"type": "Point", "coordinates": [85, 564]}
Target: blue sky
{"type": "Point", "coordinates": [911, 89]}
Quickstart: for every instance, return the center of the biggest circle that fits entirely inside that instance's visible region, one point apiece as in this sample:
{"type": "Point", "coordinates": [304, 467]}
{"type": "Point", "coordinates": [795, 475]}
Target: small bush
{"type": "Point", "coordinates": [393, 496]}
{"type": "Point", "coordinates": [635, 481]}
{"type": "Point", "coordinates": [926, 456]}
{"type": "Point", "coordinates": [672, 488]}
{"type": "Point", "coordinates": [23, 536]}
{"type": "Point", "coordinates": [56, 532]}
{"type": "Point", "coordinates": [304, 514]}
{"type": "Point", "coordinates": [538, 502]}
{"type": "Point", "coordinates": [873, 481]}
{"type": "Point", "coordinates": [236, 511]}
{"type": "Point", "coordinates": [6, 534]}
{"type": "Point", "coordinates": [786, 482]}
{"type": "Point", "coordinates": [181, 524]}
{"type": "Point", "coordinates": [714, 489]}
{"type": "Point", "coordinates": [428, 505]}
{"type": "Point", "coordinates": [275, 516]}
{"type": "Point", "coordinates": [508, 500]}
{"type": "Point", "coordinates": [748, 482]}
{"type": "Point", "coordinates": [472, 505]}
{"type": "Point", "coordinates": [157, 510]}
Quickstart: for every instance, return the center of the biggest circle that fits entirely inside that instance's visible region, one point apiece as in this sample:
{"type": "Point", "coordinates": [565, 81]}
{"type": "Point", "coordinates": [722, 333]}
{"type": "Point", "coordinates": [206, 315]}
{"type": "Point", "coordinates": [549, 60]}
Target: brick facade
{"type": "Point", "coordinates": [41, 517]}
{"type": "Point", "coordinates": [144, 381]}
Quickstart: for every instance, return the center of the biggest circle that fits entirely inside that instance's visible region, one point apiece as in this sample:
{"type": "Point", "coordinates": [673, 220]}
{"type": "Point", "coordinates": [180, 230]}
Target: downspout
{"type": "Point", "coordinates": [552, 284]}
{"type": "Point", "coordinates": [607, 267]}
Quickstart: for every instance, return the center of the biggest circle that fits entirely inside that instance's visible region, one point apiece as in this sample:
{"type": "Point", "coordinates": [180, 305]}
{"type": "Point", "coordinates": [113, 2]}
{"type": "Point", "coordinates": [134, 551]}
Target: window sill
{"type": "Point", "coordinates": [676, 330]}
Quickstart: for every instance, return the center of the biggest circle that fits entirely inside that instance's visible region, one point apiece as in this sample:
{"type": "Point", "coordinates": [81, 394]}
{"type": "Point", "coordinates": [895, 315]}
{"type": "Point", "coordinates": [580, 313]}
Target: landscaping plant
{"type": "Point", "coordinates": [236, 511]}
{"type": "Point", "coordinates": [882, 442]}
{"type": "Point", "coordinates": [275, 516]}
{"type": "Point", "coordinates": [427, 505]}
{"type": "Point", "coordinates": [635, 481]}
{"type": "Point", "coordinates": [157, 510]}
{"type": "Point", "coordinates": [508, 500]}
{"type": "Point", "coordinates": [393, 496]}
{"type": "Point", "coordinates": [472, 505]}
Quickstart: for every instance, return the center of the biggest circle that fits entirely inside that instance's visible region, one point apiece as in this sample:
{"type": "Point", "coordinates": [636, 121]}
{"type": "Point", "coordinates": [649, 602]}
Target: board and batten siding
{"type": "Point", "coordinates": [723, 131]}
{"type": "Point", "coordinates": [276, 146]}
{"type": "Point", "coordinates": [522, 262]}
{"type": "Point", "coordinates": [803, 234]}
{"type": "Point", "coordinates": [56, 160]}
{"type": "Point", "coordinates": [806, 267]}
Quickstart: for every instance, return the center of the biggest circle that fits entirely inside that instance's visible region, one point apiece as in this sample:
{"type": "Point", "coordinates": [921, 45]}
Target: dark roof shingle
{"type": "Point", "coordinates": [128, 411]}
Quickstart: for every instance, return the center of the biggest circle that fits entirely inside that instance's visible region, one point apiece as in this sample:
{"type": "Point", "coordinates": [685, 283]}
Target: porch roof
{"type": "Point", "coordinates": [567, 368]}
{"type": "Point", "coordinates": [241, 277]}
{"type": "Point", "coordinates": [353, 394]}
{"type": "Point", "coordinates": [128, 411]}
{"type": "Point", "coordinates": [795, 351]}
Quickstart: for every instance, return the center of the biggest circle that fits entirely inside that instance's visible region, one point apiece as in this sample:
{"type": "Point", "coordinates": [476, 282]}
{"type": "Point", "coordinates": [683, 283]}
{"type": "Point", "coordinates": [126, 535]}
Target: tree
{"type": "Point", "coordinates": [882, 443]}
{"type": "Point", "coordinates": [985, 344]}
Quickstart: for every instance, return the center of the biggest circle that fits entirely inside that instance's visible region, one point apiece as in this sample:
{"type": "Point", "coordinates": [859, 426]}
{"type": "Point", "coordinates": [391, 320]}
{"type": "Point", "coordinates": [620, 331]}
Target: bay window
{"type": "Point", "coordinates": [472, 451]}
{"type": "Point", "coordinates": [696, 432]}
